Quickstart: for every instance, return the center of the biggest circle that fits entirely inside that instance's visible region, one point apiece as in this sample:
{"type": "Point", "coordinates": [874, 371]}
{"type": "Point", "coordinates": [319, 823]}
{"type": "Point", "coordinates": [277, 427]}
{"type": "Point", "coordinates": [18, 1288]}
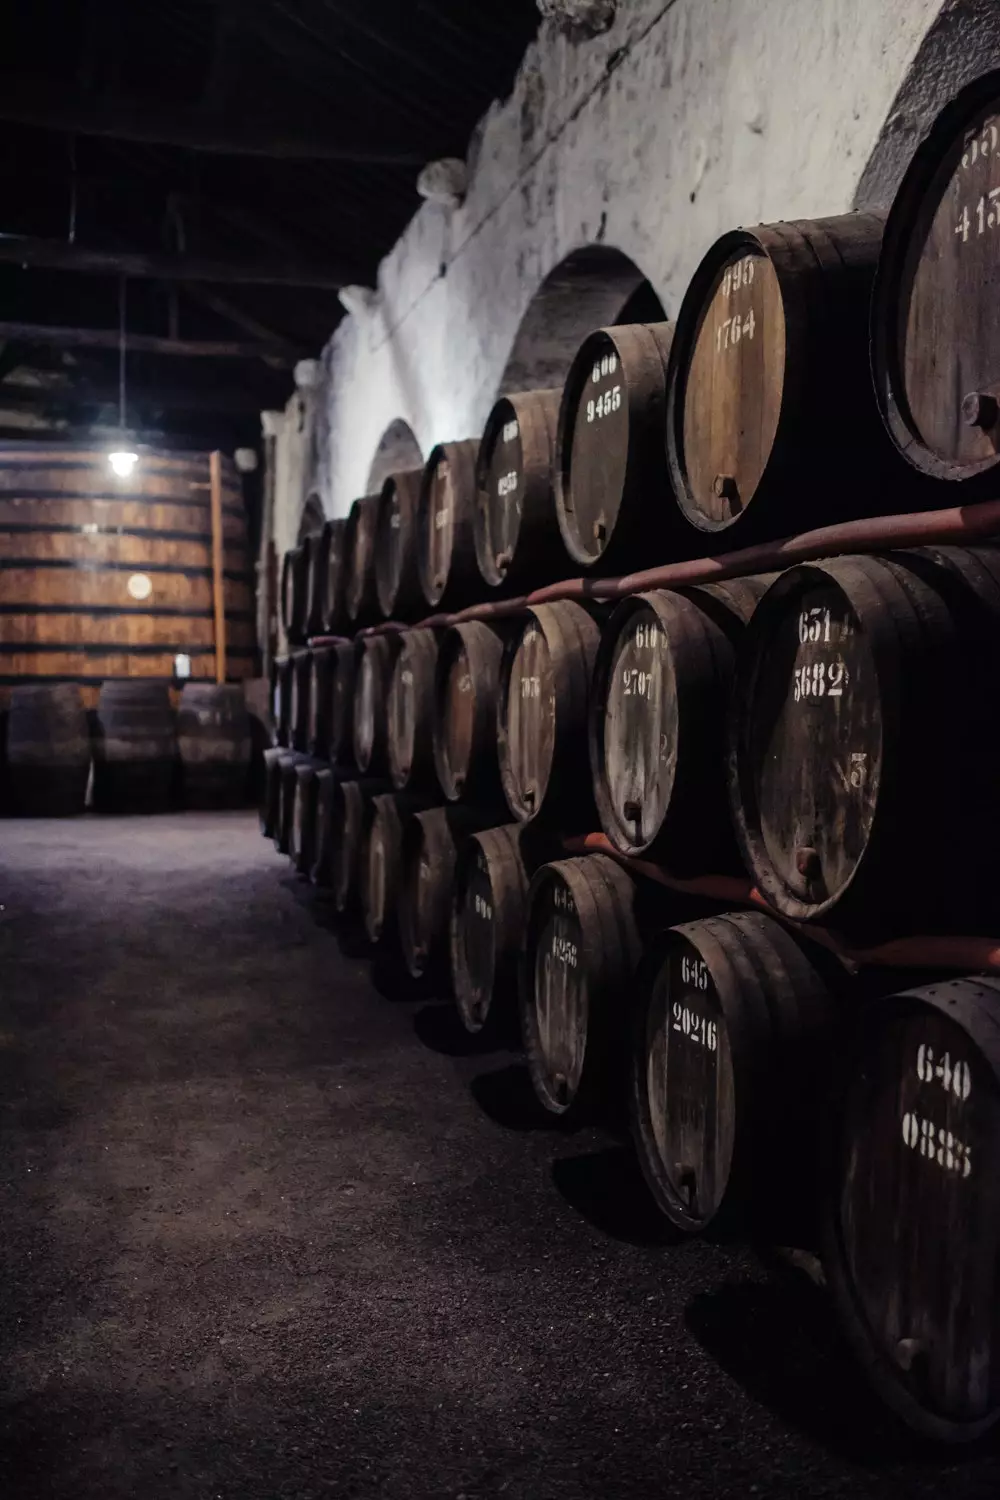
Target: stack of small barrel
{"type": "Point", "coordinates": [133, 753]}
{"type": "Point", "coordinates": [683, 828]}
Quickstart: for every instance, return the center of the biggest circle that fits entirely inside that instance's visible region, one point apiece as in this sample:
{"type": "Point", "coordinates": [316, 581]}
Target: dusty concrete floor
{"type": "Point", "coordinates": [265, 1232]}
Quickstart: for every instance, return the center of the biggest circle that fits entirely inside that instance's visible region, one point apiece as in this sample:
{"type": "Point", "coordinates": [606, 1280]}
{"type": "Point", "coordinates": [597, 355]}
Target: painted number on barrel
{"type": "Point", "coordinates": [531, 687]}
{"type": "Point", "coordinates": [561, 899]}
{"type": "Point", "coordinates": [637, 683]}
{"type": "Point", "coordinates": [732, 331]}
{"type": "Point", "coordinates": [695, 1027]}
{"type": "Point", "coordinates": [604, 405]}
{"type": "Point", "coordinates": [482, 908]}
{"type": "Point", "coordinates": [694, 971]}
{"type": "Point", "coordinates": [740, 273]}
{"type": "Point", "coordinates": [646, 637]}
{"type": "Point", "coordinates": [564, 951]}
{"type": "Point", "coordinates": [819, 679]}
{"type": "Point", "coordinates": [936, 1144]}
{"type": "Point", "coordinates": [440, 519]}
{"type": "Point", "coordinates": [509, 432]}
{"type": "Point", "coordinates": [953, 1074]}
{"type": "Point", "coordinates": [507, 483]}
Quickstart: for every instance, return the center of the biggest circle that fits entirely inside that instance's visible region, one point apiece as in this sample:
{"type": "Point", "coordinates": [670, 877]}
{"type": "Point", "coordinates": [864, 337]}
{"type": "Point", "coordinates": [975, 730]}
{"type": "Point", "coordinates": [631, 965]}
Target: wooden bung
{"type": "Point", "coordinates": [862, 788]}
{"type": "Point", "coordinates": [935, 319]}
{"type": "Point", "coordinates": [613, 503]}
{"type": "Point", "coordinates": [397, 581]}
{"type": "Point", "coordinates": [912, 1221]}
{"type": "Point", "coordinates": [374, 656]}
{"type": "Point", "coordinates": [542, 715]}
{"type": "Point", "coordinates": [432, 841]}
{"type": "Point", "coordinates": [446, 509]}
{"type": "Point", "coordinates": [772, 426]}
{"type": "Point", "coordinates": [466, 685]}
{"type": "Point", "coordinates": [410, 712]}
{"type": "Point", "coordinates": [658, 723]}
{"type": "Point", "coordinates": [518, 544]}
{"type": "Point", "coordinates": [382, 862]}
{"type": "Point", "coordinates": [731, 1052]}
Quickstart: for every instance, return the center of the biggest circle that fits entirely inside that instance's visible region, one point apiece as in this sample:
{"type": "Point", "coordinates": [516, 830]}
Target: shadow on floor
{"type": "Point", "coordinates": [439, 1028]}
{"type": "Point", "coordinates": [607, 1189]}
{"type": "Point", "coordinates": [779, 1340]}
{"type": "Point", "coordinates": [507, 1098]}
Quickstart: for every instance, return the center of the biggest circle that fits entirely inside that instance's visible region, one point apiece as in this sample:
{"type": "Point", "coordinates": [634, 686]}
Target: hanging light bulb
{"type": "Point", "coordinates": [122, 460]}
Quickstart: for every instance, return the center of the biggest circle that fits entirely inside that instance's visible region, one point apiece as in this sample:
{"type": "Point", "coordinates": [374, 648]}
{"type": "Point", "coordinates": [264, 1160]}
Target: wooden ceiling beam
{"type": "Point", "coordinates": [141, 343]}
{"type": "Point", "coordinates": [59, 255]}
{"type": "Point", "coordinates": [37, 104]}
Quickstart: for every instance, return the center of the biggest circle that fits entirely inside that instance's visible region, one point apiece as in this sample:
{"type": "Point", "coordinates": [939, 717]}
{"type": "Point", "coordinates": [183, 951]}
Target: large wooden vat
{"type": "Point", "coordinates": [104, 578]}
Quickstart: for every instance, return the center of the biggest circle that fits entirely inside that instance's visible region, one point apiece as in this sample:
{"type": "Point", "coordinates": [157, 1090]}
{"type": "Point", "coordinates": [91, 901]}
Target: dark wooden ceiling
{"type": "Point", "coordinates": [226, 165]}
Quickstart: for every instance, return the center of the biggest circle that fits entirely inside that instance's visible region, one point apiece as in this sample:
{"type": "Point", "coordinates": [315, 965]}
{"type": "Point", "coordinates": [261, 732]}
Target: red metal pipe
{"type": "Point", "coordinates": [961, 525]}
{"type": "Point", "coordinates": [966, 954]}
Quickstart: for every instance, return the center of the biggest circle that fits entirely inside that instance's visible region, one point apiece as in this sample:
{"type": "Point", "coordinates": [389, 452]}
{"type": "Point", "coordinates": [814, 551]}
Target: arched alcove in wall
{"type": "Point", "coordinates": [592, 288]}
{"type": "Point", "coordinates": [398, 449]}
{"type": "Point", "coordinates": [312, 517]}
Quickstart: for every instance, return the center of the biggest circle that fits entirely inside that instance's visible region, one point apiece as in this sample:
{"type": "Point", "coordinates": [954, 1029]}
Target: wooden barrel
{"type": "Point", "coordinates": [213, 742]}
{"type": "Point", "coordinates": [333, 544]}
{"type": "Point", "coordinates": [322, 664]}
{"type": "Point", "coordinates": [302, 842]}
{"type": "Point", "coordinates": [293, 595]}
{"type": "Point", "coordinates": [299, 708]}
{"type": "Point", "coordinates": [284, 831]}
{"type": "Point", "coordinates": [284, 673]}
{"type": "Point", "coordinates": [488, 916]}
{"type": "Point", "coordinates": [935, 324]}
{"type": "Point", "coordinates": [912, 1226]}
{"type": "Point", "coordinates": [410, 712]}
{"type": "Point", "coordinates": [581, 948]}
{"type": "Point", "coordinates": [542, 715]}
{"type": "Point", "coordinates": [135, 748]}
{"type": "Point", "coordinates": [397, 581]}
{"type": "Point", "coordinates": [613, 503]}
{"type": "Point", "coordinates": [350, 802]}
{"type": "Point", "coordinates": [466, 686]}
{"type": "Point", "coordinates": [360, 594]}
{"type": "Point", "coordinates": [731, 1049]}
{"type": "Point", "coordinates": [270, 802]}
{"type": "Point", "coordinates": [772, 338]}
{"type": "Point", "coordinates": [518, 543]}
{"type": "Point", "coordinates": [47, 751]}
{"type": "Point", "coordinates": [432, 842]}
{"type": "Point", "coordinates": [382, 863]}
{"type": "Point", "coordinates": [321, 869]}
{"type": "Point", "coordinates": [317, 579]}
{"type": "Point", "coordinates": [105, 578]}
{"type": "Point", "coordinates": [658, 723]}
{"type": "Point", "coordinates": [446, 511]}
{"type": "Point", "coordinates": [862, 789]}
{"type": "Point", "coordinates": [374, 658]}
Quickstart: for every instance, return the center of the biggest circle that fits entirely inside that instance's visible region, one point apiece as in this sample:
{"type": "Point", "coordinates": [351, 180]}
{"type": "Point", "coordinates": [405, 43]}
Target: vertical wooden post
{"type": "Point", "coordinates": [218, 592]}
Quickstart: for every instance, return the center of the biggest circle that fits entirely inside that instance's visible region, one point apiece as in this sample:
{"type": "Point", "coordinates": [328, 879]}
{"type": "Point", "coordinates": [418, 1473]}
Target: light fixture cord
{"type": "Point", "coordinates": [121, 354]}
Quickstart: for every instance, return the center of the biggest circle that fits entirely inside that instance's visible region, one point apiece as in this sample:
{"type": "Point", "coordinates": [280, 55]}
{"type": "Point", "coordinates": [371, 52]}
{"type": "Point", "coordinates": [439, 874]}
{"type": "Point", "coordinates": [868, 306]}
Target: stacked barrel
{"type": "Point", "coordinates": [671, 827]}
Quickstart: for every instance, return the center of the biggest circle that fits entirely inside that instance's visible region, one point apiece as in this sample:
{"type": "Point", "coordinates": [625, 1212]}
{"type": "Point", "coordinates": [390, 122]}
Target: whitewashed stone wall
{"type": "Point", "coordinates": [685, 118]}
